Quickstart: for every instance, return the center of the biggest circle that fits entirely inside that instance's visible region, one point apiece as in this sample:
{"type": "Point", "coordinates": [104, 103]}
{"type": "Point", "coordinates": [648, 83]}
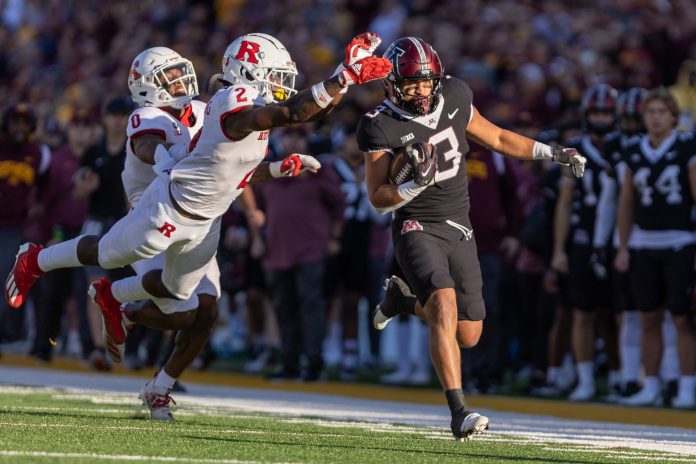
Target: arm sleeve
{"type": "Point", "coordinates": [606, 210]}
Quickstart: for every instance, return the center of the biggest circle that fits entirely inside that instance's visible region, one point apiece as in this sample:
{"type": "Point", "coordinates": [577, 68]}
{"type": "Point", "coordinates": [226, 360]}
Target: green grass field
{"type": "Point", "coordinates": [60, 427]}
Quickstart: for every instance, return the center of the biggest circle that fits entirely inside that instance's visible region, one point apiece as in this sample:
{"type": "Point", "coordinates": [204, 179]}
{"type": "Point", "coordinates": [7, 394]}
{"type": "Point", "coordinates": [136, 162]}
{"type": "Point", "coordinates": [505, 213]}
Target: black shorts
{"type": "Point", "coordinates": [587, 292]}
{"type": "Point", "coordinates": [623, 290]}
{"type": "Point", "coordinates": [435, 255]}
{"type": "Point", "coordinates": [349, 269]}
{"type": "Point", "coordinates": [663, 277]}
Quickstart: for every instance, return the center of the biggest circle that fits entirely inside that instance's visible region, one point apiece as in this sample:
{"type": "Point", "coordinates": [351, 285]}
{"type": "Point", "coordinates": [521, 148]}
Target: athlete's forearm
{"type": "Point", "coordinates": [303, 106]}
{"type": "Point", "coordinates": [261, 174]}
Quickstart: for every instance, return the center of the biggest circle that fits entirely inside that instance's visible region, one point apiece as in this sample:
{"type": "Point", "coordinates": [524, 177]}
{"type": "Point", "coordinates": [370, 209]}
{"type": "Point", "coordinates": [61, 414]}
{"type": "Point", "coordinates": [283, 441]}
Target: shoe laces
{"type": "Point", "coordinates": [158, 400]}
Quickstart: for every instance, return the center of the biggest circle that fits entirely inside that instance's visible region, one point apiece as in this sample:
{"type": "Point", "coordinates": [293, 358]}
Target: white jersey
{"type": "Point", "coordinates": [208, 180]}
{"type": "Point", "coordinates": [137, 175]}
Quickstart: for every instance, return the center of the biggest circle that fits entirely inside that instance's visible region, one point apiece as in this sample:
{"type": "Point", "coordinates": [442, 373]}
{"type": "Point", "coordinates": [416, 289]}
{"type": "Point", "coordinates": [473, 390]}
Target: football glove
{"type": "Point", "coordinates": [569, 157]}
{"type": "Point", "coordinates": [365, 70]}
{"type": "Point", "coordinates": [423, 162]}
{"type": "Point", "coordinates": [360, 47]}
{"type": "Point", "coordinates": [293, 165]}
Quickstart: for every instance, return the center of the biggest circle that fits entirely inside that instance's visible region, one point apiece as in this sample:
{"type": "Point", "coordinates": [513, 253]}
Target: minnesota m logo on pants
{"type": "Point", "coordinates": [167, 229]}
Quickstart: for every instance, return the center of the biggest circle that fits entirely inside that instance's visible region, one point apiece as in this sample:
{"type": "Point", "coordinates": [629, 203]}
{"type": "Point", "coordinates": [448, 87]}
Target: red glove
{"type": "Point", "coordinates": [294, 164]}
{"type": "Point", "coordinates": [360, 47]}
{"type": "Point", "coordinates": [365, 70]}
{"type": "Point", "coordinates": [290, 166]}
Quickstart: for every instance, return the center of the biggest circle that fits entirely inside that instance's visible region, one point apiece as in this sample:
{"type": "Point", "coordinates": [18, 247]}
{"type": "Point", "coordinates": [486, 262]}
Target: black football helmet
{"type": "Point", "coordinates": [413, 59]}
{"type": "Point", "coordinates": [18, 110]}
{"type": "Point", "coordinates": [629, 110]}
{"type": "Point", "coordinates": [600, 97]}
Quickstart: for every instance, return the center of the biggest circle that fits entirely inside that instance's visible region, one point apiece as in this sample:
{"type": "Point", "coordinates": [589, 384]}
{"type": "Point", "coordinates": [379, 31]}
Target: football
{"type": "Point", "coordinates": [400, 166]}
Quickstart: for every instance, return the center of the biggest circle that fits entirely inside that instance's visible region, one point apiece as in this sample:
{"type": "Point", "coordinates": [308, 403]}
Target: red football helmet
{"type": "Point", "coordinates": [413, 59]}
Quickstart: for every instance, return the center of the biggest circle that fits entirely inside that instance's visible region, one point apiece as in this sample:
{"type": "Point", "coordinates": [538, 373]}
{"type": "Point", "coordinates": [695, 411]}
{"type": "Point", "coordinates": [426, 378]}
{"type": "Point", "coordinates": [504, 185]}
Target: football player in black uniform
{"type": "Point", "coordinates": [574, 225]}
{"type": "Point", "coordinates": [433, 239]}
{"type": "Point", "coordinates": [629, 116]}
{"type": "Point", "coordinates": [657, 197]}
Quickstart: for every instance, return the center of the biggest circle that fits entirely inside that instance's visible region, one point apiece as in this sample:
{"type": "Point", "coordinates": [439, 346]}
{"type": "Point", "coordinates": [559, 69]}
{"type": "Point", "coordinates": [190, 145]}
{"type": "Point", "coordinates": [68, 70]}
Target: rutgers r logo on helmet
{"type": "Point", "coordinates": [248, 51]}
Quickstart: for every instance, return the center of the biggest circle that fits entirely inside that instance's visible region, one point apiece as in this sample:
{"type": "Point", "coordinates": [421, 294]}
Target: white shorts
{"type": "Point", "coordinates": [154, 227]}
{"type": "Point", "coordinates": [209, 285]}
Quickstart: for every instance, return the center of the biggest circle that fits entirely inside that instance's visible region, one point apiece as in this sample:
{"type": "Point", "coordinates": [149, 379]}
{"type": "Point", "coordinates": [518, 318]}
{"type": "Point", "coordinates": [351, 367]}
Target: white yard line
{"type": "Point", "coordinates": [121, 457]}
{"type": "Point", "coordinates": [337, 411]}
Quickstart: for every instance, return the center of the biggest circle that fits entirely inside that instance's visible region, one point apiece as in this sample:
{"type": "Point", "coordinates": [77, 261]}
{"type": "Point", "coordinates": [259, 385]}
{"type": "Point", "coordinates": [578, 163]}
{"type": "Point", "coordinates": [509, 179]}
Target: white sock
{"type": "Point", "coordinates": [585, 373]}
{"type": "Point", "coordinates": [60, 255]}
{"type": "Point", "coordinates": [350, 353]}
{"type": "Point", "coordinates": [129, 289]}
{"type": "Point", "coordinates": [552, 375]}
{"type": "Point", "coordinates": [686, 386]}
{"type": "Point", "coordinates": [164, 380]}
{"type": "Point", "coordinates": [403, 336]}
{"type": "Point", "coordinates": [669, 365]}
{"type": "Point", "coordinates": [652, 385]}
{"type": "Point", "coordinates": [629, 340]}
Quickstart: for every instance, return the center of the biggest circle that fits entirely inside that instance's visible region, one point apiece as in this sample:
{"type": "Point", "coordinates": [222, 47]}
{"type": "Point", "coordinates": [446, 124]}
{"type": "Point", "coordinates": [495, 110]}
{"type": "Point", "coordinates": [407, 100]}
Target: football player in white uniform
{"type": "Point", "coordinates": [180, 215]}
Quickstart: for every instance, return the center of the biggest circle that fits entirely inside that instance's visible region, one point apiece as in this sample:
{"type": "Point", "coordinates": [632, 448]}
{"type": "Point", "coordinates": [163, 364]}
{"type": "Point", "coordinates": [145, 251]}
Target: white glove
{"type": "Point", "coordinates": [569, 157]}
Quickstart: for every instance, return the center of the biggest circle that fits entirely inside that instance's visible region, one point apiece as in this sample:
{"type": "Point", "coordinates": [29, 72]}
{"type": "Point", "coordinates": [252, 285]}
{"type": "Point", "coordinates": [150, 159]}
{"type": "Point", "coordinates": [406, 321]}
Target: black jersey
{"type": "Point", "coordinates": [389, 127]}
{"type": "Point", "coordinates": [662, 198]}
{"type": "Point", "coordinates": [587, 192]}
{"type": "Point", "coordinates": [615, 152]}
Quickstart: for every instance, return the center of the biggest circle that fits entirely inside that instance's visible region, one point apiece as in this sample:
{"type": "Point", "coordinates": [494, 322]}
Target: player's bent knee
{"type": "Point", "coordinates": [469, 333]}
{"type": "Point", "coordinates": [207, 311]}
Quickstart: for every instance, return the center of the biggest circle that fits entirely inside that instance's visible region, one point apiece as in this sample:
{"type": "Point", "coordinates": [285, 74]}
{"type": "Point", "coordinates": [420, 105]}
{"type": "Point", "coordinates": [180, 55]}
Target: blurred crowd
{"type": "Point", "coordinates": [528, 64]}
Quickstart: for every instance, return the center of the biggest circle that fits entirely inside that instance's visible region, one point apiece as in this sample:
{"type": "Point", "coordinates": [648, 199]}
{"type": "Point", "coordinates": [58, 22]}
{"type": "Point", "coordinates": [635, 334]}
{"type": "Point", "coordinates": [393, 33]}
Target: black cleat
{"type": "Point", "coordinates": [397, 298]}
{"type": "Point", "coordinates": [467, 423]}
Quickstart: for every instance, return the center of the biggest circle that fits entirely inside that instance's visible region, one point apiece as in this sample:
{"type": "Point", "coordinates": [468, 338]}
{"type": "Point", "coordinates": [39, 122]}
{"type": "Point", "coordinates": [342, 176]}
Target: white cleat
{"type": "Point", "coordinates": [420, 378]}
{"type": "Point", "coordinates": [583, 393]}
{"type": "Point", "coordinates": [643, 398]}
{"type": "Point", "coordinates": [684, 402]}
{"type": "Point", "coordinates": [157, 399]}
{"type": "Point", "coordinates": [398, 377]}
{"type": "Point", "coordinates": [472, 424]}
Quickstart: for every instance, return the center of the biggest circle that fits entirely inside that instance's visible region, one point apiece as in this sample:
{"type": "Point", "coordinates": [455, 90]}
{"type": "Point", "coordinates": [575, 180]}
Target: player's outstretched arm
{"type": "Point", "coordinates": [512, 144]}
{"type": "Point", "coordinates": [290, 166]}
{"type": "Point", "coordinates": [303, 106]}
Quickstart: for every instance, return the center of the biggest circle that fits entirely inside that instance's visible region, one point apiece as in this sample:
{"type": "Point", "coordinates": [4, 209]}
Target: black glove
{"type": "Point", "coordinates": [423, 161]}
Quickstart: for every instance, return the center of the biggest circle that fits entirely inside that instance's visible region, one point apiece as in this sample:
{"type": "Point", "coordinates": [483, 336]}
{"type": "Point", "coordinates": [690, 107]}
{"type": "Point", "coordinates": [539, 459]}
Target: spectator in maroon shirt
{"type": "Point", "coordinates": [495, 218]}
{"type": "Point", "coordinates": [303, 219]}
{"type": "Point", "coordinates": [22, 165]}
{"type": "Point", "coordinates": [65, 201]}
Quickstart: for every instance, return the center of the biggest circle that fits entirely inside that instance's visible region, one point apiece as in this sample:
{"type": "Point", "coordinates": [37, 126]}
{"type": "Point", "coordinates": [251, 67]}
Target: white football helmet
{"type": "Point", "coordinates": [263, 62]}
{"type": "Point", "coordinates": [148, 81]}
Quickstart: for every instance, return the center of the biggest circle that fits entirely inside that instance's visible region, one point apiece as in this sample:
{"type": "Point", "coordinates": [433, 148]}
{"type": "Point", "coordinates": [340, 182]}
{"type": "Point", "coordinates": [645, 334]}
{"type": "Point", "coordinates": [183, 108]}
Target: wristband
{"type": "Point", "coordinates": [321, 96]}
{"type": "Point", "coordinates": [410, 190]}
{"type": "Point", "coordinates": [274, 169]}
{"type": "Point", "coordinates": [542, 151]}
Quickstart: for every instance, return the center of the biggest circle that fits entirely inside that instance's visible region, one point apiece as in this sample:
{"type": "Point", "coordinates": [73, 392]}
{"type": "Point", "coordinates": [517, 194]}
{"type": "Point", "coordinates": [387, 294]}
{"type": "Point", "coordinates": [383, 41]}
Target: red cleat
{"type": "Point", "coordinates": [23, 275]}
{"type": "Point", "coordinates": [113, 328]}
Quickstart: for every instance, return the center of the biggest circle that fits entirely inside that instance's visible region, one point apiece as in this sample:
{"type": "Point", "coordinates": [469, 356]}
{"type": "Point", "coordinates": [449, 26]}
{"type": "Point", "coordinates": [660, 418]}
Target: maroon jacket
{"type": "Point", "coordinates": [60, 208]}
{"type": "Point", "coordinates": [19, 175]}
{"type": "Point", "coordinates": [495, 211]}
{"type": "Point", "coordinates": [300, 213]}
